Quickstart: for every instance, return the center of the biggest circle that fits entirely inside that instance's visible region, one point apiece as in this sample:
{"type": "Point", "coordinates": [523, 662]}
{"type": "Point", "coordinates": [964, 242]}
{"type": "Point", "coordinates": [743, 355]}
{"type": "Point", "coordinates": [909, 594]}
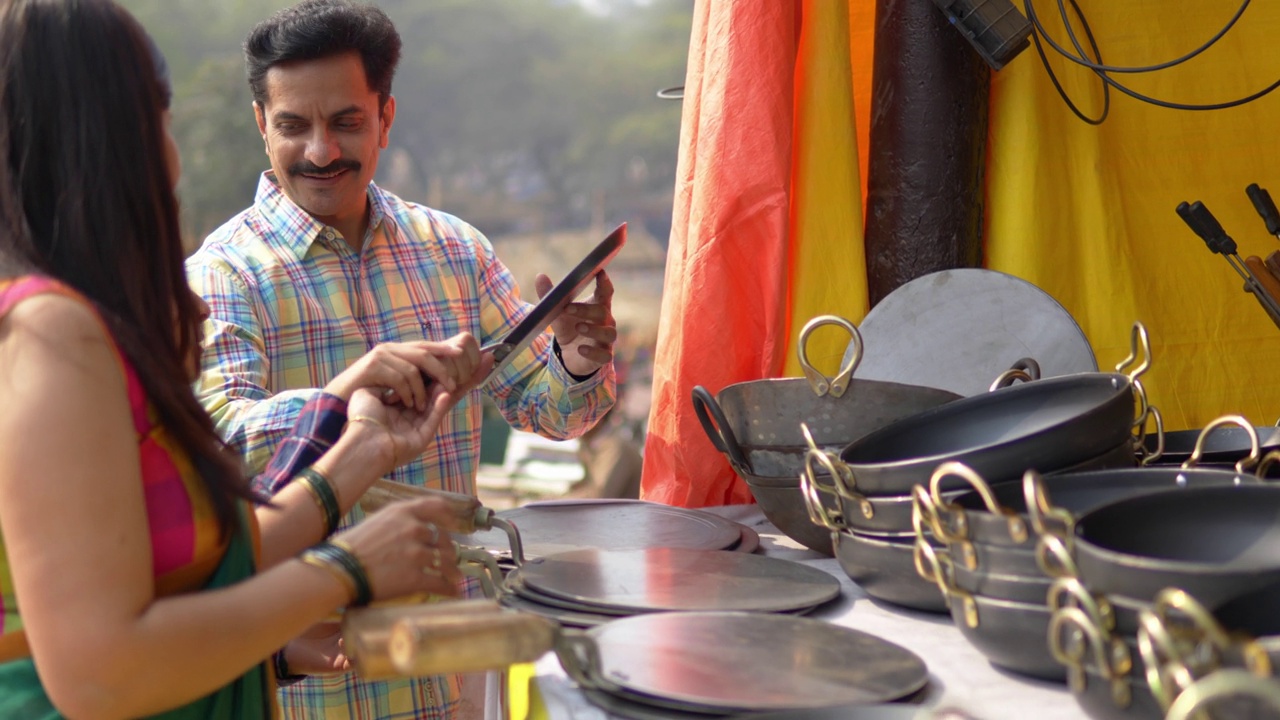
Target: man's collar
{"type": "Point", "coordinates": [297, 228]}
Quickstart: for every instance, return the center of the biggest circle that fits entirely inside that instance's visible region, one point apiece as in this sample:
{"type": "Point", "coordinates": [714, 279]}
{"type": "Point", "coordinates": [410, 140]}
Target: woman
{"type": "Point", "coordinates": [132, 582]}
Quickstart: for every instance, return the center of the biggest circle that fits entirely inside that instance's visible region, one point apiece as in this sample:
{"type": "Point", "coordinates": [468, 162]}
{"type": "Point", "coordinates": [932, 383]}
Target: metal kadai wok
{"type": "Point", "coordinates": [1044, 425]}
{"type": "Point", "coordinates": [756, 424]}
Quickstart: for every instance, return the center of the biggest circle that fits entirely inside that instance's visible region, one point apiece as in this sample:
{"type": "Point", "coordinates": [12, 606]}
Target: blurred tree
{"type": "Point", "coordinates": [513, 114]}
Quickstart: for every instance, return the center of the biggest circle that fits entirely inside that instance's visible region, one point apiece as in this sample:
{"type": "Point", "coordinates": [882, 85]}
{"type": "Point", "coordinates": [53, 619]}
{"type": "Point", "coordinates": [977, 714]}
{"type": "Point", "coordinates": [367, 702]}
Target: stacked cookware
{"type": "Point", "coordinates": [758, 426]}
{"type": "Point", "coordinates": [1080, 421]}
{"type": "Point", "coordinates": [1158, 590]}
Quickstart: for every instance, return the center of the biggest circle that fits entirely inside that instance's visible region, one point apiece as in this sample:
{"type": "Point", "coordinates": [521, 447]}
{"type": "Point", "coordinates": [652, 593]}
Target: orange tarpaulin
{"type": "Point", "coordinates": [767, 192]}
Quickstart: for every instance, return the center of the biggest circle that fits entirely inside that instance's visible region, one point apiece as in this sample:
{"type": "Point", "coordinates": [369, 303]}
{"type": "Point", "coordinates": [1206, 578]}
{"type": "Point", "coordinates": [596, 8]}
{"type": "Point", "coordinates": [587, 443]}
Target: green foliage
{"type": "Point", "coordinates": [513, 114]}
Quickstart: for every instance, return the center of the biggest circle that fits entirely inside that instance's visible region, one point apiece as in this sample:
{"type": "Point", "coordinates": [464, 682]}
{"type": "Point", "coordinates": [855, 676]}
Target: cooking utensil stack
{"type": "Point", "coordinates": [757, 425]}
{"type": "Point", "coordinates": [1133, 574]}
{"type": "Point", "coordinates": [998, 593]}
{"type": "Point", "coordinates": [1080, 421]}
{"type": "Point", "coordinates": [699, 665]}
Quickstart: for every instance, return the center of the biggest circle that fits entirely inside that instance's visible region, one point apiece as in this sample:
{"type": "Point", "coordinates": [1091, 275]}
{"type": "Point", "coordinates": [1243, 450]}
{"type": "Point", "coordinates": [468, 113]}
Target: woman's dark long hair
{"type": "Point", "coordinates": [81, 115]}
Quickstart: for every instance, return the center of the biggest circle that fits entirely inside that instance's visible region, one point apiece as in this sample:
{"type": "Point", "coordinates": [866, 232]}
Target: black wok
{"type": "Point", "coordinates": [1045, 425]}
{"type": "Point", "coordinates": [1215, 543]}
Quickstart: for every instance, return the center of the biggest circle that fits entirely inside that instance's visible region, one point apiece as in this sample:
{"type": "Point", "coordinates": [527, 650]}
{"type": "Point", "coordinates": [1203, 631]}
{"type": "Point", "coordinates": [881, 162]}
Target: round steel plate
{"type": "Point", "coordinates": [749, 661]}
{"type": "Point", "coordinates": [548, 529]}
{"type": "Point", "coordinates": [570, 618]}
{"type": "Point", "coordinates": [958, 329]}
{"type": "Point", "coordinates": [672, 579]}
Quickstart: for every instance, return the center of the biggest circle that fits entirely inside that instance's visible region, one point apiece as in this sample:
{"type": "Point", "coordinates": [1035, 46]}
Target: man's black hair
{"type": "Point", "coordinates": [315, 29]}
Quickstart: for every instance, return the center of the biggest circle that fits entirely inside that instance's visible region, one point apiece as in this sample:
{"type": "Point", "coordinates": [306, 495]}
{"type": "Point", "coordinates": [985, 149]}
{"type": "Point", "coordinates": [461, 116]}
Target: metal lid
{"type": "Point", "coordinates": [560, 526]}
{"type": "Point", "coordinates": [958, 329]}
{"type": "Point", "coordinates": [680, 579]}
{"type": "Point", "coordinates": [740, 661]}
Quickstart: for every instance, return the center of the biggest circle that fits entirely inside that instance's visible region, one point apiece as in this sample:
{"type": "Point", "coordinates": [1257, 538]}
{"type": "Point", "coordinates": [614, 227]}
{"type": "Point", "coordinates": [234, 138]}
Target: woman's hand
{"type": "Point", "coordinates": [318, 651]}
{"type": "Point", "coordinates": [406, 368]}
{"type": "Point", "coordinates": [405, 549]}
{"type": "Point", "coordinates": [404, 433]}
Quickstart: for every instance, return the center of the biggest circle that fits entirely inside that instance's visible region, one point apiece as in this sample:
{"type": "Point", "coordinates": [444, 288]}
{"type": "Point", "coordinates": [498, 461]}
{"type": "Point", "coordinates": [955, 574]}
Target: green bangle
{"type": "Point", "coordinates": [325, 497]}
{"type": "Point", "coordinates": [340, 553]}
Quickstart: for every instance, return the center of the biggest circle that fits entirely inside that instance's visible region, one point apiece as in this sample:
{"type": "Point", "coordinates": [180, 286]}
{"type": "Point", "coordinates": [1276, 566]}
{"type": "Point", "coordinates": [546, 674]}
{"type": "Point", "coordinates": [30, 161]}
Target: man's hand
{"type": "Point", "coordinates": [585, 330]}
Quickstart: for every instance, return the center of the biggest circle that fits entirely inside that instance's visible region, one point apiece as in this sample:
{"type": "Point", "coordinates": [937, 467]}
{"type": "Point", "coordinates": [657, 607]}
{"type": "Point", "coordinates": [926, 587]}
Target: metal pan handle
{"type": "Point", "coordinates": [821, 384]}
{"type": "Point", "coordinates": [1255, 451]}
{"type": "Point", "coordinates": [1164, 664]}
{"type": "Point", "coordinates": [1041, 510]}
{"type": "Point", "coordinates": [956, 516]}
{"type": "Point", "coordinates": [1222, 684]}
{"type": "Point", "coordinates": [718, 430]}
{"type": "Point", "coordinates": [1139, 347]}
{"type": "Point", "coordinates": [580, 657]}
{"type": "Point", "coordinates": [809, 488]}
{"type": "Point", "coordinates": [1025, 369]}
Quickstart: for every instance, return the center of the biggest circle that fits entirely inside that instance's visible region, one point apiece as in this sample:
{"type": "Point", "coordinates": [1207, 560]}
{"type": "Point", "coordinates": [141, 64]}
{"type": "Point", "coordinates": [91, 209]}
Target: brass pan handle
{"type": "Point", "coordinates": [1053, 556]}
{"type": "Point", "coordinates": [1148, 458]}
{"type": "Point", "coordinates": [1041, 510]}
{"type": "Point", "coordinates": [580, 657]}
{"type": "Point", "coordinates": [818, 513]}
{"type": "Point", "coordinates": [1017, 526]}
{"type": "Point", "coordinates": [1025, 369]}
{"type": "Point", "coordinates": [821, 384]}
{"type": "Point", "coordinates": [1139, 346]}
{"type": "Point", "coordinates": [1222, 684]}
{"type": "Point", "coordinates": [1255, 451]}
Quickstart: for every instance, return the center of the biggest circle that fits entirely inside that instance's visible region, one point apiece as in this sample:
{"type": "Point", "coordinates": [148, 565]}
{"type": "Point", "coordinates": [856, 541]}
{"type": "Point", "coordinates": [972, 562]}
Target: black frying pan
{"type": "Point", "coordinates": [1044, 425]}
{"type": "Point", "coordinates": [1216, 543]}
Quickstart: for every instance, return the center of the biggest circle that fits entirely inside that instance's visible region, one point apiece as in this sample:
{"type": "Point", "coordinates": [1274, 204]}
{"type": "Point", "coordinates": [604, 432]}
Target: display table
{"type": "Point", "coordinates": [960, 677]}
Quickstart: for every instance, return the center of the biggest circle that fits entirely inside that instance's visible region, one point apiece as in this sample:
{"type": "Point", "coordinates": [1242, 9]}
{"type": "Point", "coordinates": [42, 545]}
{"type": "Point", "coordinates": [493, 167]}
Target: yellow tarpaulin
{"type": "Point", "coordinates": [1087, 213]}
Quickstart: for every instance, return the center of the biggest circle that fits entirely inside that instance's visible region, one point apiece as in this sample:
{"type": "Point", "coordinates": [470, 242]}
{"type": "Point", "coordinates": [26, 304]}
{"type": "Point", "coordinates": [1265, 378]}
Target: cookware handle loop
{"type": "Point", "coordinates": [1149, 457]}
{"type": "Point", "coordinates": [1088, 639]}
{"type": "Point", "coordinates": [821, 384]}
{"type": "Point", "coordinates": [513, 539]}
{"type": "Point", "coordinates": [1070, 592]}
{"type": "Point", "coordinates": [1264, 465]}
{"type": "Point", "coordinates": [1041, 511]}
{"type": "Point", "coordinates": [1025, 369]}
{"type": "Point", "coordinates": [1166, 672]}
{"type": "Point", "coordinates": [956, 515]}
{"type": "Point", "coordinates": [580, 657]}
{"type": "Point", "coordinates": [929, 566]}
{"type": "Point", "coordinates": [1255, 452]}
{"type": "Point", "coordinates": [924, 514]}
{"type": "Point", "coordinates": [476, 562]}
{"type": "Point", "coordinates": [719, 431]}
{"type": "Point", "coordinates": [1144, 405]}
{"type": "Point", "coordinates": [1139, 346]}
{"type": "Point", "coordinates": [818, 513]}
{"type": "Point", "coordinates": [1173, 600]}
{"type": "Point", "coordinates": [1222, 684]}
{"type": "Point", "coordinates": [1053, 556]}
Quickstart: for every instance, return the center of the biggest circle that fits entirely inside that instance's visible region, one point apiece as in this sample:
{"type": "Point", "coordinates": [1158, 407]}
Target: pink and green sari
{"type": "Point", "coordinates": [188, 554]}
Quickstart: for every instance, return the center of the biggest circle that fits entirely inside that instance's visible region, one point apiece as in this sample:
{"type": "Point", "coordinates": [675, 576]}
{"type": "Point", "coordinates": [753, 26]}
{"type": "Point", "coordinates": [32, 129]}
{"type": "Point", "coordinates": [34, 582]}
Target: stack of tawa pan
{"type": "Point", "coordinates": [547, 528]}
{"type": "Point", "coordinates": [699, 665]}
{"type": "Point", "coordinates": [586, 588]}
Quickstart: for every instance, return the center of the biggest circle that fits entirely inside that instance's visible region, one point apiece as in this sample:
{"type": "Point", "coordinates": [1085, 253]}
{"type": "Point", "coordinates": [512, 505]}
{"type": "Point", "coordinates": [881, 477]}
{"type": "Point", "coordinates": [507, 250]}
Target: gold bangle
{"type": "Point", "coordinates": [370, 420]}
{"type": "Point", "coordinates": [331, 567]}
{"type": "Point", "coordinates": [395, 453]}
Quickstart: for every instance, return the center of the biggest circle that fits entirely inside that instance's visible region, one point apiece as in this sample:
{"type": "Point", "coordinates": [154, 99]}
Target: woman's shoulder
{"type": "Point", "coordinates": [58, 319]}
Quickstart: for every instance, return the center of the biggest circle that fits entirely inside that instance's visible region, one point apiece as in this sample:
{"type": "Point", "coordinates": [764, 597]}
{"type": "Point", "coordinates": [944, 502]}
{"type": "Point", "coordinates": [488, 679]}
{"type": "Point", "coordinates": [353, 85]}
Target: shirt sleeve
{"type": "Point", "coordinates": [319, 425]}
{"type": "Point", "coordinates": [233, 384]}
{"type": "Point", "coordinates": [535, 392]}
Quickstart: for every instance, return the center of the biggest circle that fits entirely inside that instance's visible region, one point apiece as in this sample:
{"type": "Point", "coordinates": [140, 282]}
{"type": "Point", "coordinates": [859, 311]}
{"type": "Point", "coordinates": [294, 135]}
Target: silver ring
{"type": "Point", "coordinates": [435, 533]}
{"type": "Point", "coordinates": [435, 558]}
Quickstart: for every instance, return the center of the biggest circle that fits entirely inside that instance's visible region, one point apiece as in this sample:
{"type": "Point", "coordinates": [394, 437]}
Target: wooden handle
{"type": "Point", "coordinates": [463, 507]}
{"type": "Point", "coordinates": [1268, 281]}
{"type": "Point", "coordinates": [1272, 262]}
{"type": "Point", "coordinates": [367, 631]}
{"type": "Point", "coordinates": [469, 643]}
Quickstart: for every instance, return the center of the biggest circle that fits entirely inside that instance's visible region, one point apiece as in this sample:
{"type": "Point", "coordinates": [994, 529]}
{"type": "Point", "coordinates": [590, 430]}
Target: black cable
{"type": "Point", "coordinates": [1081, 60]}
{"type": "Point", "coordinates": [1053, 78]}
{"type": "Point", "coordinates": [1035, 20]}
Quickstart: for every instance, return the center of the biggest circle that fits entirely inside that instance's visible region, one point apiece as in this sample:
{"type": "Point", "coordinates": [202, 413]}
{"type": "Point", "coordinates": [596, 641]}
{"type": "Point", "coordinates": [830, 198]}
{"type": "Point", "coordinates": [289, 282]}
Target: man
{"type": "Point", "coordinates": [325, 265]}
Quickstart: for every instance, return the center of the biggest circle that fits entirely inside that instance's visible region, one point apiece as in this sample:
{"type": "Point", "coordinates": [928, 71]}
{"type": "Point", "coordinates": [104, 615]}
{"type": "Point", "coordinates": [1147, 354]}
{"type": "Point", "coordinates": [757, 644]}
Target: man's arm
{"type": "Point", "coordinates": [234, 378]}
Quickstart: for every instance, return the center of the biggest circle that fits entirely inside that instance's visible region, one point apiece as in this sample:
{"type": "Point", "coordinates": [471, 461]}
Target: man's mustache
{"type": "Point", "coordinates": [308, 168]}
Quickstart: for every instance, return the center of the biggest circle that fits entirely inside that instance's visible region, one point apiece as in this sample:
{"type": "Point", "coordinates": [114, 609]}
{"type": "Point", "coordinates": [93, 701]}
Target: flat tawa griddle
{"type": "Point", "coordinates": [734, 662]}
{"type": "Point", "coordinates": [675, 579]}
{"type": "Point", "coordinates": [959, 329]}
{"type": "Point", "coordinates": [556, 527]}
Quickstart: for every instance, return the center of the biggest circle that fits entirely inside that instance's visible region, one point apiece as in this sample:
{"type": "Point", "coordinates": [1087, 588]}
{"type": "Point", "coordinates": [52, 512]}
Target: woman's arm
{"type": "Point", "coordinates": [76, 535]}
